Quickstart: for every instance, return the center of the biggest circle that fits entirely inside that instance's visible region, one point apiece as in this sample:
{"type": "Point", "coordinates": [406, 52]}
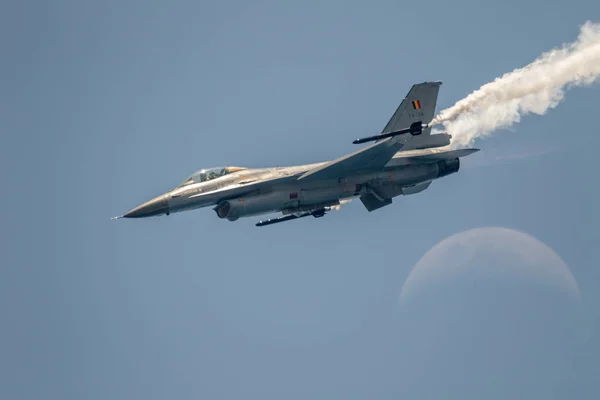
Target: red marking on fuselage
{"type": "Point", "coordinates": [391, 177]}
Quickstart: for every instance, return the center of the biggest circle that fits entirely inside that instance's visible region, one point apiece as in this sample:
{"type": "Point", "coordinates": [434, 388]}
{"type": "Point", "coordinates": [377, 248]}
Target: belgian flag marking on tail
{"type": "Point", "coordinates": [416, 104]}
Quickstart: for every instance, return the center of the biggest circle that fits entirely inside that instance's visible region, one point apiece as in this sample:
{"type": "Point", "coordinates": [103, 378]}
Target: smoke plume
{"type": "Point", "coordinates": [535, 88]}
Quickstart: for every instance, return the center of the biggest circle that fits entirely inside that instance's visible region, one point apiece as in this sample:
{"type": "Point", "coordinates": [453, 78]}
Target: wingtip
{"type": "Point", "coordinates": [117, 217]}
{"type": "Point", "coordinates": [472, 150]}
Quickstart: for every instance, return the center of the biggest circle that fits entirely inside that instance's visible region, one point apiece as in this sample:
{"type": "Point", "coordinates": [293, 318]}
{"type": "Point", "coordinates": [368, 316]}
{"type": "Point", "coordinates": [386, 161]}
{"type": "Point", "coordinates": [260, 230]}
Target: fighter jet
{"type": "Point", "coordinates": [404, 159]}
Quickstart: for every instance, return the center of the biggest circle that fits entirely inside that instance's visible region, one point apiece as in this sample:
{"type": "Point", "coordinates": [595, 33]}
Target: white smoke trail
{"type": "Point", "coordinates": [535, 88]}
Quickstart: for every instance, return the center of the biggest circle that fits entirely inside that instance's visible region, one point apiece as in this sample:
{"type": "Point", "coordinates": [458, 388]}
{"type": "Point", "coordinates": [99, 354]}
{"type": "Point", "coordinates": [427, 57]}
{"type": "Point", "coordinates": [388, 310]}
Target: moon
{"type": "Point", "coordinates": [488, 313]}
{"type": "Point", "coordinates": [491, 253]}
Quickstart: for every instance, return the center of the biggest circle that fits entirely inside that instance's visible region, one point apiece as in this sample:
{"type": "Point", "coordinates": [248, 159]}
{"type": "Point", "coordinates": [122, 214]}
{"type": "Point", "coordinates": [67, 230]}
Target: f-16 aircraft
{"type": "Point", "coordinates": [403, 160]}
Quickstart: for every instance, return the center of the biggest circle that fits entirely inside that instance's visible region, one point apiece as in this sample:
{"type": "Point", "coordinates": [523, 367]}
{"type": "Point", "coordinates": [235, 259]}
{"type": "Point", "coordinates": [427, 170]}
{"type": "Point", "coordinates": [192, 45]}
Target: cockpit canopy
{"type": "Point", "coordinates": [209, 174]}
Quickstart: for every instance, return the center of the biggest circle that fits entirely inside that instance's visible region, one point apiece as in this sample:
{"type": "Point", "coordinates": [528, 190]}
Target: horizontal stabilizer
{"type": "Point", "coordinates": [372, 203]}
{"type": "Point", "coordinates": [426, 156]}
{"type": "Point", "coordinates": [382, 196]}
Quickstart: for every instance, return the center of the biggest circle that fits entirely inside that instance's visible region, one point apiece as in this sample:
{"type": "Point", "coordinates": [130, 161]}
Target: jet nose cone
{"type": "Point", "coordinates": [156, 206]}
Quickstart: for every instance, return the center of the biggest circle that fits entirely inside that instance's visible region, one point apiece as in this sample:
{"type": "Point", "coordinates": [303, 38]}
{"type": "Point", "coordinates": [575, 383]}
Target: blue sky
{"type": "Point", "coordinates": [104, 105]}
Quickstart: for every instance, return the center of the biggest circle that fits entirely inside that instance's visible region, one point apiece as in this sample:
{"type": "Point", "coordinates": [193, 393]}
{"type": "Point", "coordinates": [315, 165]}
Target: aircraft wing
{"type": "Point", "coordinates": [375, 156]}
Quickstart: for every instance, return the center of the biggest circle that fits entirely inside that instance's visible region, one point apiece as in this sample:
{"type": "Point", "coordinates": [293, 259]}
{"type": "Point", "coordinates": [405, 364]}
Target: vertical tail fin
{"type": "Point", "coordinates": [418, 105]}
